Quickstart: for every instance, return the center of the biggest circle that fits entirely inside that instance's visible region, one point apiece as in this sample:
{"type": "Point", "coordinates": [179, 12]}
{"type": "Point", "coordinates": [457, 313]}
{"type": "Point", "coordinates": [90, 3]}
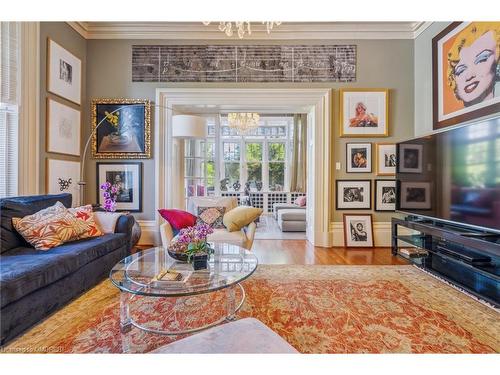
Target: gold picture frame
{"type": "Point", "coordinates": [374, 112]}
{"type": "Point", "coordinates": [378, 170]}
{"type": "Point", "coordinates": [116, 138]}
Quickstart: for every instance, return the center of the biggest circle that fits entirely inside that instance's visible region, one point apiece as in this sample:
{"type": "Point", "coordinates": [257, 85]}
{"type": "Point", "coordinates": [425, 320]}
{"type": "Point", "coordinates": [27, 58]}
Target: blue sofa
{"type": "Point", "coordinates": [34, 284]}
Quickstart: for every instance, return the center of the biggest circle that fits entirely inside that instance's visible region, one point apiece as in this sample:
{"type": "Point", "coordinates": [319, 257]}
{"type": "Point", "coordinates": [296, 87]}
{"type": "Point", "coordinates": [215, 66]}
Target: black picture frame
{"type": "Point", "coordinates": [139, 184]}
{"type": "Point", "coordinates": [348, 157]}
{"type": "Point", "coordinates": [375, 195]}
{"type": "Point", "coordinates": [368, 195]}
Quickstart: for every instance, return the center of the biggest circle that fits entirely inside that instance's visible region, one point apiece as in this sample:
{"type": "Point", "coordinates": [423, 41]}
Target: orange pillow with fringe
{"type": "Point", "coordinates": [47, 228]}
{"type": "Point", "coordinates": [85, 222]}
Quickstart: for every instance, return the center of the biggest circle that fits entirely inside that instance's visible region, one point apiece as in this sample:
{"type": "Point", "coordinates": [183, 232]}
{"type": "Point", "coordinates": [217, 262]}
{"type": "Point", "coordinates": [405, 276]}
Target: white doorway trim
{"type": "Point", "coordinates": [316, 102]}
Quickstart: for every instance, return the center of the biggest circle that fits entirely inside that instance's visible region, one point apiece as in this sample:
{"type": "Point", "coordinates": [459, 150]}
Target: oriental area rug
{"type": "Point", "coordinates": [317, 309]}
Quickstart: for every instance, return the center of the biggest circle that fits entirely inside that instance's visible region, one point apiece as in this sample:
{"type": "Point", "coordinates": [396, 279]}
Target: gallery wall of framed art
{"type": "Point", "coordinates": [62, 114]}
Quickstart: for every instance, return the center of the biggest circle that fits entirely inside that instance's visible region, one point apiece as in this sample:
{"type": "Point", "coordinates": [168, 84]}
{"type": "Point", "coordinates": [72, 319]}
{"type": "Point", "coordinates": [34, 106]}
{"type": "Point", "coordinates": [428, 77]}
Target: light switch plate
{"type": "Point", "coordinates": [337, 166]}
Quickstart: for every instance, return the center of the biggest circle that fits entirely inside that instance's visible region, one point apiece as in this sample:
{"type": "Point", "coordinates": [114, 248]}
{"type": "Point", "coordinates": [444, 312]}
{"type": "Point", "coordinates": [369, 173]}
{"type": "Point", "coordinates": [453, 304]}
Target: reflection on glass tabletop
{"type": "Point", "coordinates": [142, 273]}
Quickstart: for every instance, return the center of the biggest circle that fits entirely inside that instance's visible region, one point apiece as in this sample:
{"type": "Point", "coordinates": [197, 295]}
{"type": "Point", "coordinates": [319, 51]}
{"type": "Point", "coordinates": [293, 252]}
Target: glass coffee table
{"type": "Point", "coordinates": [136, 277]}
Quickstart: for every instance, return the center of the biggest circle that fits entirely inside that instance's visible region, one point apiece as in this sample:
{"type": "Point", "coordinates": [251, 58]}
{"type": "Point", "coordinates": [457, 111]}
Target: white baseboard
{"type": "Point", "coordinates": [381, 232]}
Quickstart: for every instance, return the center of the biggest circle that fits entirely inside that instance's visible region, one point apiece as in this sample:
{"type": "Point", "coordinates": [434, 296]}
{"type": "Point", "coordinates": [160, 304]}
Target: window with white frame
{"type": "Point", "coordinates": [261, 157]}
{"type": "Point", "coordinates": [9, 107]}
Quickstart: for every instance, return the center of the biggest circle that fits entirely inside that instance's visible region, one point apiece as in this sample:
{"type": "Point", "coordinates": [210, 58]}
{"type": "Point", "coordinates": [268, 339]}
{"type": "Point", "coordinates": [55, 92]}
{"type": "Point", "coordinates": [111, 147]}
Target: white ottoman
{"type": "Point", "coordinates": [293, 220]}
{"type": "Point", "coordinates": [247, 335]}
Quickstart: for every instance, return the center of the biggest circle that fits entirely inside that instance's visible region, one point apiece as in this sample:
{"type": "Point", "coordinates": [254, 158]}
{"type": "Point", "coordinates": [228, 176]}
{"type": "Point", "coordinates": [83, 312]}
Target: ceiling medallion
{"type": "Point", "coordinates": [243, 122]}
{"type": "Point", "coordinates": [242, 28]}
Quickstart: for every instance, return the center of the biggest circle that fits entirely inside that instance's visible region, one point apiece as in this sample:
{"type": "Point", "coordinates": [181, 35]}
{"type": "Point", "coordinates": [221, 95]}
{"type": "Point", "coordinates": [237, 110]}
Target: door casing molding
{"type": "Point", "coordinates": [316, 102]}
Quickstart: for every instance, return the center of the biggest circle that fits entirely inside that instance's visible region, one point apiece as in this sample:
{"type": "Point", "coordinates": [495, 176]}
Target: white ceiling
{"type": "Point", "coordinates": [286, 31]}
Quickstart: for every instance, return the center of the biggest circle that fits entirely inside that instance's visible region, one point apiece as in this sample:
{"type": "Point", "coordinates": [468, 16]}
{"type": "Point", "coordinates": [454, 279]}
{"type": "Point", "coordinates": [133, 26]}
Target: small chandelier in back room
{"type": "Point", "coordinates": [243, 122]}
{"type": "Point", "coordinates": [242, 28]}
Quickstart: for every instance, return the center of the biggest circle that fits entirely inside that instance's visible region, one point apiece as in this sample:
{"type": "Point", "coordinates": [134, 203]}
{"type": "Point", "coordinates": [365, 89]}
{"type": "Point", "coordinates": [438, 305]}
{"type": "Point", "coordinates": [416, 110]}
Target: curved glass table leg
{"type": "Point", "coordinates": [231, 310]}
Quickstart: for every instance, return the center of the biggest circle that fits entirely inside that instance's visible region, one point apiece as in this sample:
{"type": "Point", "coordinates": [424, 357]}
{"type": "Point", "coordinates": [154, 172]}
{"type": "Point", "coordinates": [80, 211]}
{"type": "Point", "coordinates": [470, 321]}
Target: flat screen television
{"type": "Point", "coordinates": [453, 175]}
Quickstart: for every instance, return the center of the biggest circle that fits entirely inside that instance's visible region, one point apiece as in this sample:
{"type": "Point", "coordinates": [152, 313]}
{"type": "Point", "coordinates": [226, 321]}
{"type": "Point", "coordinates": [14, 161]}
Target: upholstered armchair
{"type": "Point", "coordinates": [243, 238]}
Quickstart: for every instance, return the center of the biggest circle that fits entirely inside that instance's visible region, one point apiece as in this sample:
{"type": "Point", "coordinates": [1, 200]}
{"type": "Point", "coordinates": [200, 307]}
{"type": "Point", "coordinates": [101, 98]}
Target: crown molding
{"type": "Point", "coordinates": [286, 31]}
{"type": "Point", "coordinates": [81, 28]}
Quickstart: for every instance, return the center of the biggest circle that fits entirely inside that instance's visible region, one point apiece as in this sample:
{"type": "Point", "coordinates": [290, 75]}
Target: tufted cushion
{"type": "Point", "coordinates": [48, 228]}
{"type": "Point", "coordinates": [20, 207]}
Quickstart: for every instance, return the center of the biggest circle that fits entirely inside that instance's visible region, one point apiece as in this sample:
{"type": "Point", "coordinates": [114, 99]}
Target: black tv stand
{"type": "Point", "coordinates": [481, 234]}
{"type": "Point", "coordinates": [467, 258]}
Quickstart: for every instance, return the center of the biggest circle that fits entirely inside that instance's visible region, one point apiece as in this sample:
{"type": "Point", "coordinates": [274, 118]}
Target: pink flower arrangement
{"type": "Point", "coordinates": [110, 192]}
{"type": "Point", "coordinates": [193, 240]}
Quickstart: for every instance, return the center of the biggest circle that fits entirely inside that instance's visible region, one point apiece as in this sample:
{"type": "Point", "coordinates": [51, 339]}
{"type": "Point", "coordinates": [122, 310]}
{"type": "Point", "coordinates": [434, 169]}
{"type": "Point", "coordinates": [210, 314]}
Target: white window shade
{"type": "Point", "coordinates": [9, 62]}
{"type": "Point", "coordinates": [9, 107]}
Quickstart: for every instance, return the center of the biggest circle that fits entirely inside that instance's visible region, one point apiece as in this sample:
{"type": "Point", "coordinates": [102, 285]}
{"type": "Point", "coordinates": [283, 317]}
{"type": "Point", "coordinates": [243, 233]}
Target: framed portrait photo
{"type": "Point", "coordinates": [415, 195]}
{"type": "Point", "coordinates": [410, 158]}
{"type": "Point", "coordinates": [353, 194]}
{"type": "Point", "coordinates": [63, 127]}
{"type": "Point", "coordinates": [64, 73]}
{"type": "Point", "coordinates": [385, 159]}
{"type": "Point", "coordinates": [385, 195]}
{"type": "Point", "coordinates": [121, 128]}
{"type": "Point", "coordinates": [358, 157]}
{"type": "Point", "coordinates": [358, 230]}
{"type": "Point", "coordinates": [62, 176]}
{"type": "Point", "coordinates": [465, 72]}
{"type": "Point", "coordinates": [127, 177]}
{"type": "Point", "coordinates": [364, 112]}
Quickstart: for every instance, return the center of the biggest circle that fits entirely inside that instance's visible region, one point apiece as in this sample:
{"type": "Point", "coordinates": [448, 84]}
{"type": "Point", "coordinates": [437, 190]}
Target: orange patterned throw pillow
{"type": "Point", "coordinates": [85, 222]}
{"type": "Point", "coordinates": [48, 228]}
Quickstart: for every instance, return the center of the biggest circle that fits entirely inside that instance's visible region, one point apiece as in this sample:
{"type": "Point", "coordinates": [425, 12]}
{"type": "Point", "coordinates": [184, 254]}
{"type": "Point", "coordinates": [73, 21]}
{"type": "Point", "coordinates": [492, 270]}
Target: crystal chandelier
{"type": "Point", "coordinates": [243, 122]}
{"type": "Point", "coordinates": [242, 28]}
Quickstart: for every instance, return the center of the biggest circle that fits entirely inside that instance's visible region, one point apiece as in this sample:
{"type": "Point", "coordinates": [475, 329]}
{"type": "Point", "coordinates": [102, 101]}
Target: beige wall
{"type": "Point", "coordinates": [68, 38]}
{"type": "Point", "coordinates": [381, 63]}
{"type": "Point", "coordinates": [423, 78]}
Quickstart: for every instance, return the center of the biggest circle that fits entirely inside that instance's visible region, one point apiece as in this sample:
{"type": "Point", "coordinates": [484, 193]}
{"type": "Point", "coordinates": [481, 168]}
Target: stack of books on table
{"type": "Point", "coordinates": [412, 252]}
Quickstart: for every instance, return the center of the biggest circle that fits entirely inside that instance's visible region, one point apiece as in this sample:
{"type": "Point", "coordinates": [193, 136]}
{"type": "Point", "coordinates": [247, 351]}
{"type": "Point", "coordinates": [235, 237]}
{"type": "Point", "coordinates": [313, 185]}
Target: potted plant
{"type": "Point", "coordinates": [191, 245]}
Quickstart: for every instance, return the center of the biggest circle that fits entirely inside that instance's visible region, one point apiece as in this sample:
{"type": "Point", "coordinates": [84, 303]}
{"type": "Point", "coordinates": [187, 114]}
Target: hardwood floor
{"type": "Point", "coordinates": [302, 252]}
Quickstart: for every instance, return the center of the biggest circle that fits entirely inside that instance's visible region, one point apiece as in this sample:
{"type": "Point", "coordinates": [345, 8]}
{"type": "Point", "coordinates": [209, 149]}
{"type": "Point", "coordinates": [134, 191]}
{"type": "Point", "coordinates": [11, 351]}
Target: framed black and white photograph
{"type": "Point", "coordinates": [64, 73]}
{"type": "Point", "coordinates": [358, 157]}
{"type": "Point", "coordinates": [415, 195]}
{"type": "Point", "coordinates": [385, 159]}
{"type": "Point", "coordinates": [121, 128]}
{"type": "Point", "coordinates": [63, 125]}
{"type": "Point", "coordinates": [353, 194]}
{"type": "Point", "coordinates": [358, 230]}
{"type": "Point", "coordinates": [127, 178]}
{"type": "Point", "coordinates": [62, 176]}
{"type": "Point", "coordinates": [385, 195]}
{"type": "Point", "coordinates": [410, 158]}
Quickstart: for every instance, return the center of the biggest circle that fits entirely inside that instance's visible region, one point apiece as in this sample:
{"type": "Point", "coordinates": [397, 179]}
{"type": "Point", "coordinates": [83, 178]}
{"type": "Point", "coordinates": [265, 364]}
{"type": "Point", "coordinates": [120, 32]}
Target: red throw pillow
{"type": "Point", "coordinates": [178, 219]}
